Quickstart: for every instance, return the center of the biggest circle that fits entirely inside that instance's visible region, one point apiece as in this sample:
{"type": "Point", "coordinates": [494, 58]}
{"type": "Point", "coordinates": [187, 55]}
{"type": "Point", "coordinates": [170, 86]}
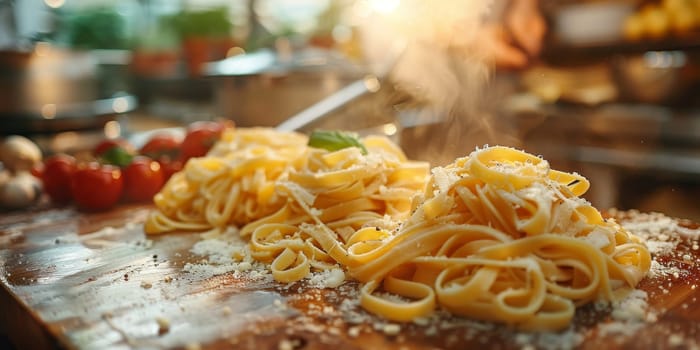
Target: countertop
{"type": "Point", "coordinates": [95, 280]}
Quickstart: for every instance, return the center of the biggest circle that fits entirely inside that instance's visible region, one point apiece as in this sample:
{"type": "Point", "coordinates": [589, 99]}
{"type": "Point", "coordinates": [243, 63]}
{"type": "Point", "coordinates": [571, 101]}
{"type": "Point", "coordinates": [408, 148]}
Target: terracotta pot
{"type": "Point", "coordinates": [155, 64]}
{"type": "Point", "coordinates": [322, 41]}
{"type": "Point", "coordinates": [199, 50]}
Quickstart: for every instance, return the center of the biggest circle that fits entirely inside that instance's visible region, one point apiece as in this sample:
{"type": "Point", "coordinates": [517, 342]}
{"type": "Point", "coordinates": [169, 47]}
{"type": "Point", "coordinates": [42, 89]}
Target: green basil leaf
{"type": "Point", "coordinates": [117, 156]}
{"type": "Point", "coordinates": [335, 140]}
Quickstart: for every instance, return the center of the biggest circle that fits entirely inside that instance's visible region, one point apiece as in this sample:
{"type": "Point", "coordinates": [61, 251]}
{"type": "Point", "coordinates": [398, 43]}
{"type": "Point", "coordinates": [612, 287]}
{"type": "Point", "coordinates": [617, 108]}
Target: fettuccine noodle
{"type": "Point", "coordinates": [496, 235]}
{"type": "Point", "coordinates": [233, 185]}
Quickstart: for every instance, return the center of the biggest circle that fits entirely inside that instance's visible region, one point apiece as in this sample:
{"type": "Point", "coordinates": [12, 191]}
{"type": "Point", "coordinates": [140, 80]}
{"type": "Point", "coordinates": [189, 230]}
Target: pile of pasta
{"type": "Point", "coordinates": [496, 235]}
{"type": "Point", "coordinates": [500, 236]}
{"type": "Point", "coordinates": [231, 186]}
{"type": "Point", "coordinates": [258, 176]}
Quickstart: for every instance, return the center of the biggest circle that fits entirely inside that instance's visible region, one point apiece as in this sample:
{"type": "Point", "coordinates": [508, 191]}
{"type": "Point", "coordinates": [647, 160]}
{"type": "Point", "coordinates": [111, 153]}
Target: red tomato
{"type": "Point", "coordinates": [200, 137]}
{"type": "Point", "coordinates": [143, 178]}
{"type": "Point", "coordinates": [162, 145]}
{"type": "Point", "coordinates": [169, 167]}
{"type": "Point", "coordinates": [108, 144]}
{"type": "Point", "coordinates": [96, 186]}
{"type": "Point", "coordinates": [37, 170]}
{"type": "Point", "coordinates": [56, 177]}
{"type": "Point", "coordinates": [165, 149]}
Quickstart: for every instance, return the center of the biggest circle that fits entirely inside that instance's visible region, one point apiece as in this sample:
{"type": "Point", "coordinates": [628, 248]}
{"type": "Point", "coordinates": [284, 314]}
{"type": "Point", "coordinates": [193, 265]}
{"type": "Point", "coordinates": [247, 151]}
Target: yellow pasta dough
{"type": "Point", "coordinates": [233, 185]}
{"type": "Point", "coordinates": [499, 236]}
{"type": "Point", "coordinates": [496, 235]}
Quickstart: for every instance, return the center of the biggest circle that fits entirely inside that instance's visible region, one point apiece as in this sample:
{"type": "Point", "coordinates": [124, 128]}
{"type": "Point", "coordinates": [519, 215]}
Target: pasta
{"type": "Point", "coordinates": [233, 185]}
{"type": "Point", "coordinates": [330, 198]}
{"type": "Point", "coordinates": [496, 235]}
{"type": "Point", "coordinates": [501, 237]}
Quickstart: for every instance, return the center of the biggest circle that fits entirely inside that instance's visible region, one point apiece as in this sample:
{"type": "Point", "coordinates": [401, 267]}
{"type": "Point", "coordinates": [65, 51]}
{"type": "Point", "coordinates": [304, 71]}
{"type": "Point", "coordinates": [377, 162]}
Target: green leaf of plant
{"type": "Point", "coordinates": [335, 140]}
{"type": "Point", "coordinates": [117, 156]}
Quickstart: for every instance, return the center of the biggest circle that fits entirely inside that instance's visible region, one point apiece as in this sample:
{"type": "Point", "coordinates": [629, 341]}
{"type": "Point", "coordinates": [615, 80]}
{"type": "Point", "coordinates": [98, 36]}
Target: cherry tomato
{"type": "Point", "coordinates": [37, 170]}
{"type": "Point", "coordinates": [143, 178]}
{"type": "Point", "coordinates": [162, 145]}
{"type": "Point", "coordinates": [107, 144]}
{"type": "Point", "coordinates": [96, 186]}
{"type": "Point", "coordinates": [56, 177]}
{"type": "Point", "coordinates": [165, 149]}
{"type": "Point", "coordinates": [169, 166]}
{"type": "Point", "coordinates": [200, 137]}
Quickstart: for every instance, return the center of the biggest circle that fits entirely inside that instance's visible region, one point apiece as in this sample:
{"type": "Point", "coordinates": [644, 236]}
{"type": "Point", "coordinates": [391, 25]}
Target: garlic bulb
{"type": "Point", "coordinates": [19, 191]}
{"type": "Point", "coordinates": [19, 153]}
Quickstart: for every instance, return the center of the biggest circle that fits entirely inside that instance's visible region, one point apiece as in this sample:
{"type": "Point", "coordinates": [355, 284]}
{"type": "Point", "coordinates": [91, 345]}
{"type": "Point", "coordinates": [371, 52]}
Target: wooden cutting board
{"type": "Point", "coordinates": [94, 281]}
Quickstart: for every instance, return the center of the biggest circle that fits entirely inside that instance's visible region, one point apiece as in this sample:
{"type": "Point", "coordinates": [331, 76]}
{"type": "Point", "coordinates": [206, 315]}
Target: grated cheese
{"type": "Point", "coordinates": [391, 329]}
{"type": "Point", "coordinates": [597, 239]}
{"type": "Point", "coordinates": [331, 278]}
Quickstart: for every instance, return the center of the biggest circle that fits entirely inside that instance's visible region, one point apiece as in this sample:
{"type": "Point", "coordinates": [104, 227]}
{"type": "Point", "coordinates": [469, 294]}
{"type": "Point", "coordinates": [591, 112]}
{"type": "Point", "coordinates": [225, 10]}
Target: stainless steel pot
{"type": "Point", "coordinates": [266, 88]}
{"type": "Point", "coordinates": [45, 75]}
{"type": "Point", "coordinates": [50, 89]}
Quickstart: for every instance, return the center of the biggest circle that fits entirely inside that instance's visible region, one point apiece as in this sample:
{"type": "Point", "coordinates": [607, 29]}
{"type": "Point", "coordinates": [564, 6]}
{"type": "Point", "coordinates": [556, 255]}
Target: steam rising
{"type": "Point", "coordinates": [440, 68]}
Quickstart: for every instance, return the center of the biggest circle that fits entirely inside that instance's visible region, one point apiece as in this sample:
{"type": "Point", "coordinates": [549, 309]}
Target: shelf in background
{"type": "Point", "coordinates": [556, 51]}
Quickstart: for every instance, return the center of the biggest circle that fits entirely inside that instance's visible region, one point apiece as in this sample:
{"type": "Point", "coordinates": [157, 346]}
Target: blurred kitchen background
{"type": "Point", "coordinates": [613, 94]}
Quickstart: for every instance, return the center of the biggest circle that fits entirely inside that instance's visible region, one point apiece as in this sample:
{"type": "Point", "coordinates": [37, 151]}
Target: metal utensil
{"type": "Point", "coordinates": [352, 92]}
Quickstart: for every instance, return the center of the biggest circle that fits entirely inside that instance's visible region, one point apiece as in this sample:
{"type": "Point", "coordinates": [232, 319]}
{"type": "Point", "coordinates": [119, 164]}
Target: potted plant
{"type": "Point", "coordinates": [206, 35]}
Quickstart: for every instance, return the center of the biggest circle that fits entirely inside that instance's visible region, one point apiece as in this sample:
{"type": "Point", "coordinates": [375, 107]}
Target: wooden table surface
{"type": "Point", "coordinates": [95, 281]}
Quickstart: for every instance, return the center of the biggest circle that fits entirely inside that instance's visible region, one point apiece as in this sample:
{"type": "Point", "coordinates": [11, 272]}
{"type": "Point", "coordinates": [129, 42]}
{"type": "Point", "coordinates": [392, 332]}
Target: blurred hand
{"type": "Point", "coordinates": [514, 42]}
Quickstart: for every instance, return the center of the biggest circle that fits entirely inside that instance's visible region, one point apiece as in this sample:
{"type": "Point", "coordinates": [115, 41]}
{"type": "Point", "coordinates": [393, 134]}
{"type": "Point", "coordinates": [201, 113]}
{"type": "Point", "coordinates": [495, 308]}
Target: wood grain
{"type": "Point", "coordinates": [94, 280]}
